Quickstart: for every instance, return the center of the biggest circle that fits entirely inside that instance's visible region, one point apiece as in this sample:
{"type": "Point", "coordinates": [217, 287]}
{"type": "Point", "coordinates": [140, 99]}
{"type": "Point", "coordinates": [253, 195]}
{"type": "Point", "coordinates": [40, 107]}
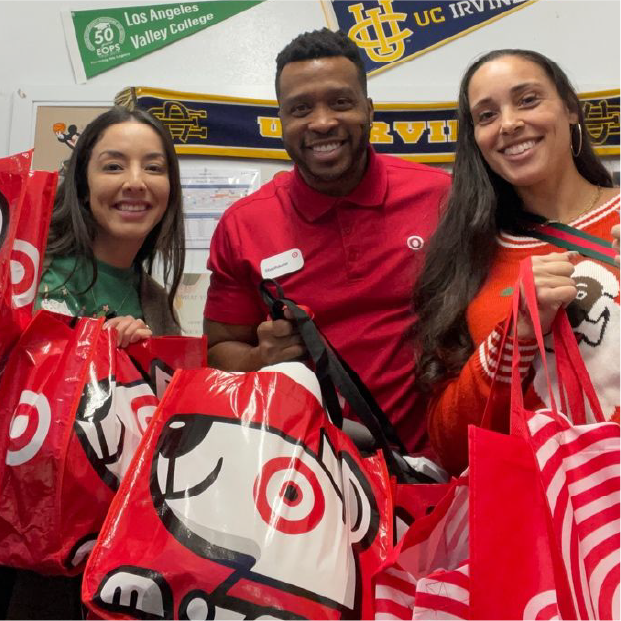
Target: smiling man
{"type": "Point", "coordinates": [343, 233]}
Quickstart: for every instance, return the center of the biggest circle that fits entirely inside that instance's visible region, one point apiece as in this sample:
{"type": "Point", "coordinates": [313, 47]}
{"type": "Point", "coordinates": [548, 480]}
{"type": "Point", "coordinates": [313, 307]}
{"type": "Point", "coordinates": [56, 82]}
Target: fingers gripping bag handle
{"type": "Point", "coordinates": [334, 373]}
{"type": "Point", "coordinates": [567, 357]}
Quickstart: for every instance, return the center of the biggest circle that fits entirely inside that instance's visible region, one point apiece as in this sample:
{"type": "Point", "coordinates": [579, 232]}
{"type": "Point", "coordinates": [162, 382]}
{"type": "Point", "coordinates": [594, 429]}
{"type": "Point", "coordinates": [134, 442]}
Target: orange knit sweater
{"type": "Point", "coordinates": [462, 400]}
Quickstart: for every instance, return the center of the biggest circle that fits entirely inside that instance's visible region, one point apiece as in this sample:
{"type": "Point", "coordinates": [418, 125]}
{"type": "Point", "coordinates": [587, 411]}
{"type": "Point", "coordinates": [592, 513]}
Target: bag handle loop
{"type": "Point", "coordinates": [334, 373]}
{"type": "Point", "coordinates": [567, 353]}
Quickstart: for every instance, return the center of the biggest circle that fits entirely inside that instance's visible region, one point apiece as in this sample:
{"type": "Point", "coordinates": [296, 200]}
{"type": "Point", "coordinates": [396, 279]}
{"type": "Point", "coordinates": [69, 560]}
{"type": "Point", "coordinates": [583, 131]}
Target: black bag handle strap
{"type": "Point", "coordinates": [334, 373]}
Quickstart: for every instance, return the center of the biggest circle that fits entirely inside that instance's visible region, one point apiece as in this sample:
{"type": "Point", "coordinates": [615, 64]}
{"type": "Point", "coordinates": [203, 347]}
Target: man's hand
{"type": "Point", "coordinates": [555, 288]}
{"type": "Point", "coordinates": [129, 330]}
{"type": "Point", "coordinates": [232, 347]}
{"type": "Point", "coordinates": [279, 341]}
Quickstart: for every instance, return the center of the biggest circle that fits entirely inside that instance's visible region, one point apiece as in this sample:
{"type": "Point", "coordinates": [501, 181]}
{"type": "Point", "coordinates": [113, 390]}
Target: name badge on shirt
{"type": "Point", "coordinates": [283, 263]}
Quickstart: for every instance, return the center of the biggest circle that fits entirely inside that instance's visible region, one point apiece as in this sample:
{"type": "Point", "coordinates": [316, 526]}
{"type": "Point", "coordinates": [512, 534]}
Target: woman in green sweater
{"type": "Point", "coordinates": [118, 207]}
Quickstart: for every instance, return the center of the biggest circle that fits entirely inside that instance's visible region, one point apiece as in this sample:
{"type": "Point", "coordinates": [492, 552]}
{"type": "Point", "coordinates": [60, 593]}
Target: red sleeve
{"type": "Point", "coordinates": [232, 296]}
{"type": "Point", "coordinates": [462, 400]}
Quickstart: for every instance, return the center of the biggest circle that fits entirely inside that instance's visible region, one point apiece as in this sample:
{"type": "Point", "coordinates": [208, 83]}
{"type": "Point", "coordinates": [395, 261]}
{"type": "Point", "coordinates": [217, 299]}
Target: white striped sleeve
{"type": "Point", "coordinates": [493, 361]}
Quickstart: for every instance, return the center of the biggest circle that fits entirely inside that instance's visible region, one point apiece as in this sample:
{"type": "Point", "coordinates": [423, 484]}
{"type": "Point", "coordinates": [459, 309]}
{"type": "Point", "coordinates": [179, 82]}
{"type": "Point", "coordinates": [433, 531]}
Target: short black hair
{"type": "Point", "coordinates": [322, 43]}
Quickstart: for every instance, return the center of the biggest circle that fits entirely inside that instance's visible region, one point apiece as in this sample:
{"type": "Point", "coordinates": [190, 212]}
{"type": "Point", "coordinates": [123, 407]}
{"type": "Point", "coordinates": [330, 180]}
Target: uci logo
{"type": "Point", "coordinates": [183, 123]}
{"type": "Point", "coordinates": [104, 36]}
{"type": "Point", "coordinates": [384, 48]}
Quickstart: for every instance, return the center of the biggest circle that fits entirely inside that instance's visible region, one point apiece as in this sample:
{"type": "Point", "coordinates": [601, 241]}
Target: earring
{"type": "Point", "coordinates": [571, 146]}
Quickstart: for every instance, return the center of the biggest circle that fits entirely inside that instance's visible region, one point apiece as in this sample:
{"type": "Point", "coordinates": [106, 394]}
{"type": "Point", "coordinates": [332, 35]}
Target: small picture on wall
{"type": "Point", "coordinates": [57, 129]}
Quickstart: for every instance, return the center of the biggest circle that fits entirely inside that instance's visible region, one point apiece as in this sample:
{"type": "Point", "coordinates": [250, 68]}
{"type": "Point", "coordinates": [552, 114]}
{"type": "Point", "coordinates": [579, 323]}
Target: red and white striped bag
{"type": "Point", "coordinates": [427, 571]}
{"type": "Point", "coordinates": [540, 539]}
{"type": "Point", "coordinates": [579, 469]}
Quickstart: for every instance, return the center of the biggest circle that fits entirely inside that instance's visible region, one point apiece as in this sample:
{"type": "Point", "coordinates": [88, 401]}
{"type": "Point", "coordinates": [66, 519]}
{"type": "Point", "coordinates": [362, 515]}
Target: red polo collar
{"type": "Point", "coordinates": [370, 192]}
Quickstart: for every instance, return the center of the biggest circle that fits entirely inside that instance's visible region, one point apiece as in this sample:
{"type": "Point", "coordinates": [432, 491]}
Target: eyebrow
{"type": "Point", "coordinates": [119, 154]}
{"type": "Point", "coordinates": [330, 91]}
{"type": "Point", "coordinates": [514, 89]}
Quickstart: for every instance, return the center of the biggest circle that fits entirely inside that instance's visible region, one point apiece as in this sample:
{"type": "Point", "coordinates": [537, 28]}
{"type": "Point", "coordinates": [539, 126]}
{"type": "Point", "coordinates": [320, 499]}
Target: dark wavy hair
{"type": "Point", "coordinates": [323, 43]}
{"type": "Point", "coordinates": [460, 254]}
{"type": "Point", "coordinates": [73, 228]}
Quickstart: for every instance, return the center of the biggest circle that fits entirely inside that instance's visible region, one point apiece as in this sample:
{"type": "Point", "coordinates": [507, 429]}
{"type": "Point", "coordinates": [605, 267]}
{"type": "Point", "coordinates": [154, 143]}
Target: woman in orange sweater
{"type": "Point", "coordinates": [523, 156]}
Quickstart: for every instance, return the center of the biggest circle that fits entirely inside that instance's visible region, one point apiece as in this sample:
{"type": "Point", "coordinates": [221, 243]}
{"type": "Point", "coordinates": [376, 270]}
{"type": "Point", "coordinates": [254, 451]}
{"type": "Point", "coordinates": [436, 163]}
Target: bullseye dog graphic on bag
{"type": "Point", "coordinates": [245, 502]}
{"type": "Point", "coordinates": [119, 400]}
{"type": "Point", "coordinates": [114, 410]}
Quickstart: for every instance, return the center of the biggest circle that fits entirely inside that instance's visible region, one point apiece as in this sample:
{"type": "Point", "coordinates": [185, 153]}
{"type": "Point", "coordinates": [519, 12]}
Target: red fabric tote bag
{"type": "Point", "coordinates": [578, 468]}
{"type": "Point", "coordinates": [426, 574]}
{"type": "Point", "coordinates": [542, 538]}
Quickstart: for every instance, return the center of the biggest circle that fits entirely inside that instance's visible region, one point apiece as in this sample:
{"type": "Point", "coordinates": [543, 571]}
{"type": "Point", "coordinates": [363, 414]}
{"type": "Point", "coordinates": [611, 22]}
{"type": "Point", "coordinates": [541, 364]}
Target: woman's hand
{"type": "Point", "coordinates": [555, 288]}
{"type": "Point", "coordinates": [129, 330]}
{"type": "Point", "coordinates": [615, 239]}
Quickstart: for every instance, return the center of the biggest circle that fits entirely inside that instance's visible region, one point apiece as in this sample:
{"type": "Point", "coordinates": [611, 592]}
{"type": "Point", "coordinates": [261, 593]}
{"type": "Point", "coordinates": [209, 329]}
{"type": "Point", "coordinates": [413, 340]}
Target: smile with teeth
{"type": "Point", "coordinates": [324, 148]}
{"type": "Point", "coordinates": [516, 149]}
{"type": "Point", "coordinates": [131, 206]}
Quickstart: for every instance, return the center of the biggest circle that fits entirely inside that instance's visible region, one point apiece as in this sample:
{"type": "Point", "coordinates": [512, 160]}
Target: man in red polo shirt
{"type": "Point", "coordinates": [343, 233]}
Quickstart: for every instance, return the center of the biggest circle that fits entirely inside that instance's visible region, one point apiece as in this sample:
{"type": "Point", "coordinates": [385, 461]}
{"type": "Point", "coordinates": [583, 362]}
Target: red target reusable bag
{"type": "Point", "coordinates": [243, 500]}
{"type": "Point", "coordinates": [67, 432]}
{"type": "Point", "coordinates": [26, 199]}
{"type": "Point", "coordinates": [73, 409]}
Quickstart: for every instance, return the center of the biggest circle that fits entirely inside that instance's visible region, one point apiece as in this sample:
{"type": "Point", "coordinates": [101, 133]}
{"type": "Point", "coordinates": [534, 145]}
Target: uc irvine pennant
{"type": "Point", "coordinates": [100, 39]}
{"type": "Point", "coordinates": [202, 124]}
{"type": "Point", "coordinates": [392, 31]}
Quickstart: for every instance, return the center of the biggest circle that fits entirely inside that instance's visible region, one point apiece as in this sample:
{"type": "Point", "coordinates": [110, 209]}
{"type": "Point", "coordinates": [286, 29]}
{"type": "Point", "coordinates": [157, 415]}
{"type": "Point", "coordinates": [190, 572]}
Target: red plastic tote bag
{"type": "Point", "coordinates": [159, 357]}
{"type": "Point", "coordinates": [244, 500]}
{"type": "Point", "coordinates": [73, 410]}
{"type": "Point", "coordinates": [62, 447]}
{"type": "Point", "coordinates": [26, 199]}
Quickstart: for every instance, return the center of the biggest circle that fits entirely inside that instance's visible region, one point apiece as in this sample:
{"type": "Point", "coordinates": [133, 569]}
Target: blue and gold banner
{"type": "Point", "coordinates": [235, 127]}
{"type": "Point", "coordinates": [393, 31]}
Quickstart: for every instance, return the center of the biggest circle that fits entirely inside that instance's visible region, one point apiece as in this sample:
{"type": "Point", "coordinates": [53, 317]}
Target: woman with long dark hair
{"type": "Point", "coordinates": [523, 158]}
{"type": "Point", "coordinates": [118, 207]}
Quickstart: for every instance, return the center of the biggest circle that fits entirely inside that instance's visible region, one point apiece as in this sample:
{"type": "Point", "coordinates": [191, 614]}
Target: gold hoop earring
{"type": "Point", "coordinates": [571, 146]}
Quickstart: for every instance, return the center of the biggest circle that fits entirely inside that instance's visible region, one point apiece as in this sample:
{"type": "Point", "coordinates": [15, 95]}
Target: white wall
{"type": "Point", "coordinates": [236, 57]}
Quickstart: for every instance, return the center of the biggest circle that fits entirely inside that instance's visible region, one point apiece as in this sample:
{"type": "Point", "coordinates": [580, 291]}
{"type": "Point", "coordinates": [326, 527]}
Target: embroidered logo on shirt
{"type": "Point", "coordinates": [415, 242]}
{"type": "Point", "coordinates": [283, 263]}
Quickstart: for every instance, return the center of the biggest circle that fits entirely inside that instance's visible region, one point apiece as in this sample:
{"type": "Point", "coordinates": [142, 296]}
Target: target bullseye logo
{"type": "Point", "coordinates": [415, 242]}
{"type": "Point", "coordinates": [288, 496]}
{"type": "Point", "coordinates": [29, 427]}
{"type": "Point", "coordinates": [24, 268]}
